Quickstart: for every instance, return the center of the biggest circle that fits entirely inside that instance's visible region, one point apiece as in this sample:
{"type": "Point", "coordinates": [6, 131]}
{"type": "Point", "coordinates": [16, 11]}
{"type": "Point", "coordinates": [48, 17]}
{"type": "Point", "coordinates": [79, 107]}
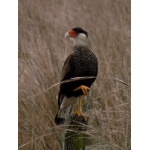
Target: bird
{"type": "Point", "coordinates": [82, 62]}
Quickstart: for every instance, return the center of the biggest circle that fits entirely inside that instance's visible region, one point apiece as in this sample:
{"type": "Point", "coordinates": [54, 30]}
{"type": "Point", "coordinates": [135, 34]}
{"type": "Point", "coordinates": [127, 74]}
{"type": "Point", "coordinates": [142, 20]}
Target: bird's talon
{"type": "Point", "coordinates": [81, 114]}
{"type": "Point", "coordinates": [84, 89]}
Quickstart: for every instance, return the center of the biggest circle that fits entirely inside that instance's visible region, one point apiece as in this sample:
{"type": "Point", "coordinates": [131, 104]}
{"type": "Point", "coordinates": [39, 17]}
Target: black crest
{"type": "Point", "coordinates": [80, 30]}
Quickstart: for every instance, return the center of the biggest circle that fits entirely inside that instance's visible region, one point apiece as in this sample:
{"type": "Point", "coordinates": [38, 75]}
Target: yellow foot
{"type": "Point", "coordinates": [81, 114]}
{"type": "Point", "coordinates": [79, 110]}
{"type": "Point", "coordinates": [84, 89]}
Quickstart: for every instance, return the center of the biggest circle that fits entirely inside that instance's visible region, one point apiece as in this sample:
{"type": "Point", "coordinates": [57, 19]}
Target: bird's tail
{"type": "Point", "coordinates": [65, 109]}
{"type": "Point", "coordinates": [62, 114]}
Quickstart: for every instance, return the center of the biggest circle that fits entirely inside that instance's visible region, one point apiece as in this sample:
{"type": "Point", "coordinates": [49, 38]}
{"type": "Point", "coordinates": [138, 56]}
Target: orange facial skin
{"type": "Point", "coordinates": [72, 33]}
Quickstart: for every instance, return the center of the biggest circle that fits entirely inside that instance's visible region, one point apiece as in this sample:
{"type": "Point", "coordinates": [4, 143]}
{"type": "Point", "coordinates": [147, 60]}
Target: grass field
{"type": "Point", "coordinates": [42, 52]}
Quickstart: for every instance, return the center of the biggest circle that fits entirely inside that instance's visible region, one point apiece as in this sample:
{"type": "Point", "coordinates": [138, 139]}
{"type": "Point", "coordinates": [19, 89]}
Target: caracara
{"type": "Point", "coordinates": [81, 63]}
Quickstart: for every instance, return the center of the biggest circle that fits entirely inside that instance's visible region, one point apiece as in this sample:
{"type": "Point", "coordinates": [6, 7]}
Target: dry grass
{"type": "Point", "coordinates": [42, 51]}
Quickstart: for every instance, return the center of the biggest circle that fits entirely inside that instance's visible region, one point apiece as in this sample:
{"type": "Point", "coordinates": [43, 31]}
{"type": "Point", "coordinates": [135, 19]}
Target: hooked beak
{"type": "Point", "coordinates": [67, 35]}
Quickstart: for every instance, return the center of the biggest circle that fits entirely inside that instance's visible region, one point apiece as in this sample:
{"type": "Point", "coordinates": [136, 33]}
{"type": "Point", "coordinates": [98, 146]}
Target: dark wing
{"type": "Point", "coordinates": [66, 74]}
{"type": "Point", "coordinates": [67, 68]}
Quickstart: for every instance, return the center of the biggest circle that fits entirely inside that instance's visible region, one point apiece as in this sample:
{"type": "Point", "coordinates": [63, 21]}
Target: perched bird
{"type": "Point", "coordinates": [81, 63]}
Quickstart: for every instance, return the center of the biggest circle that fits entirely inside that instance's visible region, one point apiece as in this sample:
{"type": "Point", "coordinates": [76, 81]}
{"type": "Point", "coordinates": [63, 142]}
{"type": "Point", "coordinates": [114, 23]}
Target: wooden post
{"type": "Point", "coordinates": [75, 138]}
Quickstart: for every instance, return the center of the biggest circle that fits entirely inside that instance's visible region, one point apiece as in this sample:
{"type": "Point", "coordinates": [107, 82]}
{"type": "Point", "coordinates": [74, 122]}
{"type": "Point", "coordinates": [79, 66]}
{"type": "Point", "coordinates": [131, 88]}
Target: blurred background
{"type": "Point", "coordinates": [42, 52]}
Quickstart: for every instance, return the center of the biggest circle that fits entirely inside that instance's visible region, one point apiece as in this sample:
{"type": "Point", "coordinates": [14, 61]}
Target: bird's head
{"type": "Point", "coordinates": [78, 35]}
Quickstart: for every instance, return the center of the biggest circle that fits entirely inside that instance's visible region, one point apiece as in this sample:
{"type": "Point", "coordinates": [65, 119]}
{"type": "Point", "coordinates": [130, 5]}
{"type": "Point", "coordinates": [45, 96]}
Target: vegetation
{"type": "Point", "coordinates": [42, 52]}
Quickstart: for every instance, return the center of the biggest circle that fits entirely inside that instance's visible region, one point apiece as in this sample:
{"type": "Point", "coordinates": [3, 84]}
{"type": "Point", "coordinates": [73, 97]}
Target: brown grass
{"type": "Point", "coordinates": [42, 52]}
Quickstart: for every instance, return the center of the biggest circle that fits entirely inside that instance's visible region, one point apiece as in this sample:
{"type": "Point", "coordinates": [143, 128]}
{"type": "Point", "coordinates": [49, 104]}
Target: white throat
{"type": "Point", "coordinates": [80, 40]}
